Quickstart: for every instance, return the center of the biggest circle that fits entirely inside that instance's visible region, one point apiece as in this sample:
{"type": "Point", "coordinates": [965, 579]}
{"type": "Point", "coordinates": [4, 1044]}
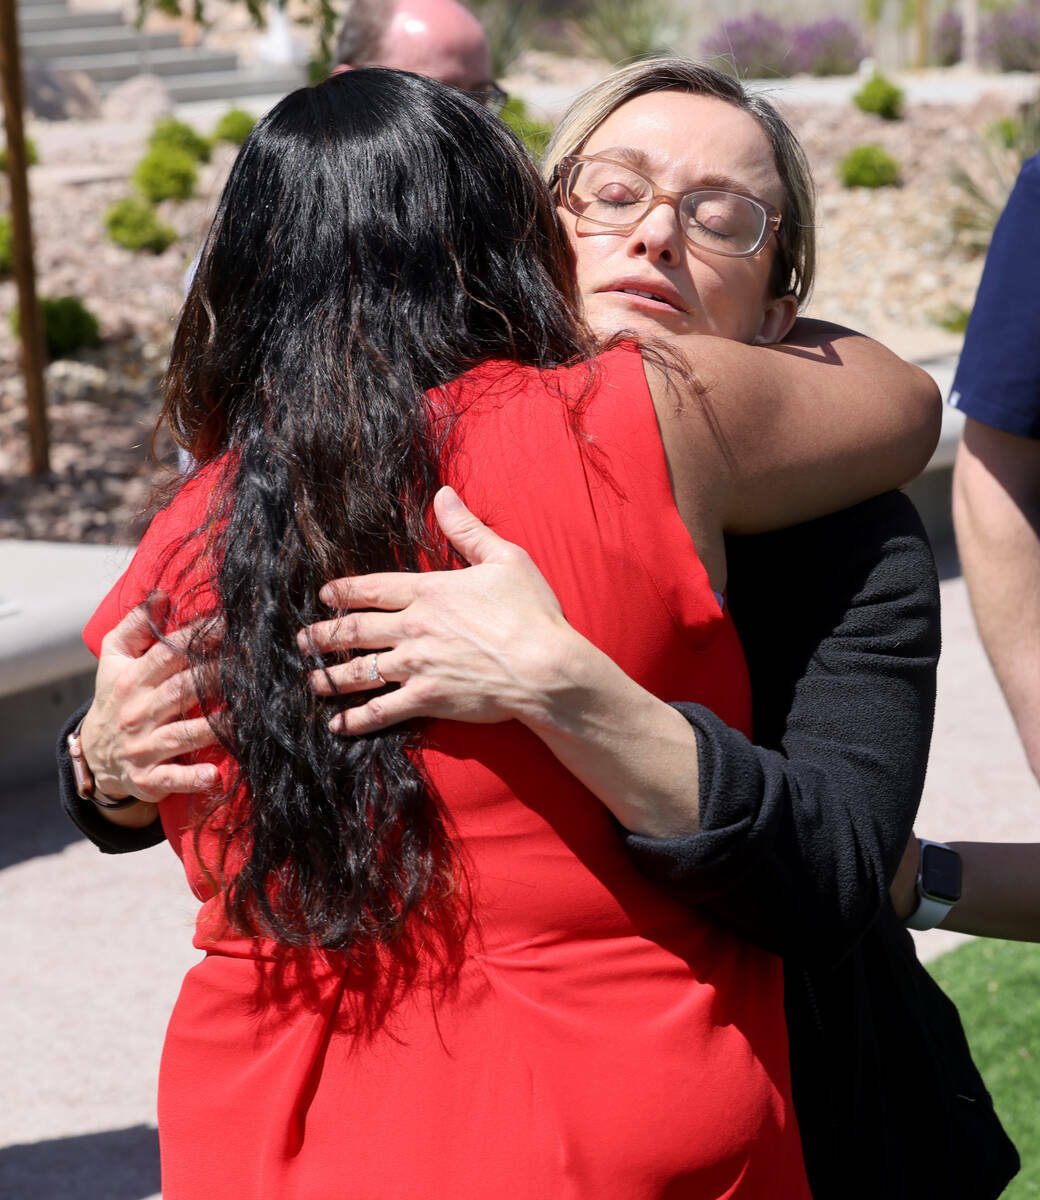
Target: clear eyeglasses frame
{"type": "Point", "coordinates": [764, 219]}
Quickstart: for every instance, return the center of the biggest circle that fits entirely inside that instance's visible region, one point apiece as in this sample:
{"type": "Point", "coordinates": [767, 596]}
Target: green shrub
{"type": "Point", "coordinates": [533, 133]}
{"type": "Point", "coordinates": [6, 246]}
{"type": "Point", "coordinates": [67, 326]}
{"type": "Point", "coordinates": [32, 156]}
{"type": "Point", "coordinates": [881, 98]}
{"type": "Point", "coordinates": [954, 317]}
{"type": "Point", "coordinates": [166, 173]}
{"type": "Point", "coordinates": [234, 126]}
{"type": "Point", "coordinates": [868, 166]}
{"type": "Point", "coordinates": [134, 223]}
{"type": "Point", "coordinates": [509, 25]}
{"type": "Point", "coordinates": [621, 30]}
{"type": "Point", "coordinates": [177, 135]}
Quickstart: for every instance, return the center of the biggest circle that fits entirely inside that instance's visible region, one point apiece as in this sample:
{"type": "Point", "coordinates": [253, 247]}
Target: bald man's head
{"type": "Point", "coordinates": [438, 38]}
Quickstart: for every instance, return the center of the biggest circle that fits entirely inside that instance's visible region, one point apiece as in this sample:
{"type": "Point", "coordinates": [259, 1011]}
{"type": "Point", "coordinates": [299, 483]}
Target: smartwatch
{"type": "Point", "coordinates": [938, 885]}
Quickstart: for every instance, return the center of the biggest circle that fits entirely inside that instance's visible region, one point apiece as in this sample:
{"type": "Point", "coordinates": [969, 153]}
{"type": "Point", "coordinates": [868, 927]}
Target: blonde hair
{"type": "Point", "coordinates": [795, 262]}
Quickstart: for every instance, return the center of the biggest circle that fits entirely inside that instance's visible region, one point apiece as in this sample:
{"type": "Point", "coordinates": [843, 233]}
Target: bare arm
{"type": "Point", "coordinates": [996, 511]}
{"type": "Point", "coordinates": [779, 438]}
{"type": "Point", "coordinates": [1000, 889]}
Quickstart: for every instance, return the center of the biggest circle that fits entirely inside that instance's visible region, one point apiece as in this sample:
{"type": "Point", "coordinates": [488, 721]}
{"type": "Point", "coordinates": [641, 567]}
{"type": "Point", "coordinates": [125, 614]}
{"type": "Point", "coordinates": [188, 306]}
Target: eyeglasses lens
{"type": "Point", "coordinates": [493, 98]}
{"type": "Point", "coordinates": [610, 194]}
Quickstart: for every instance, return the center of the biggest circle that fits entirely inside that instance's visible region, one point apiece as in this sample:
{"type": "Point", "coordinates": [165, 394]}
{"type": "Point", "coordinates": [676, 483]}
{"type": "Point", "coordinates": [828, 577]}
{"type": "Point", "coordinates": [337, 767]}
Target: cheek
{"type": "Point", "coordinates": [733, 295]}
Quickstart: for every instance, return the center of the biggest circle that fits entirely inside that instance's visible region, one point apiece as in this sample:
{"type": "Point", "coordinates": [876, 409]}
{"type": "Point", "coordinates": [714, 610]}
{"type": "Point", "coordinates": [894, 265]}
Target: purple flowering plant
{"type": "Point", "coordinates": [756, 46]}
{"type": "Point", "coordinates": [832, 46]}
{"type": "Point", "coordinates": [1011, 38]}
{"type": "Point", "coordinates": [948, 40]}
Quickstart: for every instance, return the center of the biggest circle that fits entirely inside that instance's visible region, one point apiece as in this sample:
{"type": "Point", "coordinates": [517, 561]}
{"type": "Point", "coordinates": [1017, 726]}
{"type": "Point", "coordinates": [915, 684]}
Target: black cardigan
{"type": "Point", "coordinates": [801, 834]}
{"type": "Point", "coordinates": [799, 838]}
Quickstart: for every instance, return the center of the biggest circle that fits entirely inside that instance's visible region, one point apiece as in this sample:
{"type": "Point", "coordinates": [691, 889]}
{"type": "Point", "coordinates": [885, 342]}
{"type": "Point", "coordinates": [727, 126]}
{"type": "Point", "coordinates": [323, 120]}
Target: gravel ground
{"type": "Point", "coordinates": [889, 265]}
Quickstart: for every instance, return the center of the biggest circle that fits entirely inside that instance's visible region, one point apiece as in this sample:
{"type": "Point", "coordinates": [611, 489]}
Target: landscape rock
{"type": "Point", "coordinates": [142, 98]}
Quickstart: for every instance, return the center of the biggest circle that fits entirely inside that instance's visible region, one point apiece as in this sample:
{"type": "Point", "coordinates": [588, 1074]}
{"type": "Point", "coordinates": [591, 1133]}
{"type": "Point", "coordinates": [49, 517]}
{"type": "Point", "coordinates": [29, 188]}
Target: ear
{"type": "Point", "coordinates": [777, 318]}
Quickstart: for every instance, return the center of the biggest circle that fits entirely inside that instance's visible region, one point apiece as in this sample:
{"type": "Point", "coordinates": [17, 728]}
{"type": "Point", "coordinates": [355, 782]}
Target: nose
{"type": "Point", "coordinates": [658, 237]}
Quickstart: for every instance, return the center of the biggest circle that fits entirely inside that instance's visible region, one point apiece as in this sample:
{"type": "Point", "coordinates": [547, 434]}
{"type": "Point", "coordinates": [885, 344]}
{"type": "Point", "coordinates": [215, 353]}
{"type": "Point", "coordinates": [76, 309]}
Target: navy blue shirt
{"type": "Point", "coordinates": [998, 376]}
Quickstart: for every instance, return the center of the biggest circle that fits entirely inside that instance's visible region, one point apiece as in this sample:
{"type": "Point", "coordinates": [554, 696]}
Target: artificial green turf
{"type": "Point", "coordinates": [996, 986]}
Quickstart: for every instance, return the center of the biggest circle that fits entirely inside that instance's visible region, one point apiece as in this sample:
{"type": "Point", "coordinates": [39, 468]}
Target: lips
{"type": "Point", "coordinates": [654, 293]}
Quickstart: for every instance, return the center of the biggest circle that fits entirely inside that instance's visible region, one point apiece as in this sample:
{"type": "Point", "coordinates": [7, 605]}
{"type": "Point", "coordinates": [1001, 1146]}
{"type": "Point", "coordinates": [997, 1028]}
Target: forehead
{"type": "Point", "coordinates": [681, 140]}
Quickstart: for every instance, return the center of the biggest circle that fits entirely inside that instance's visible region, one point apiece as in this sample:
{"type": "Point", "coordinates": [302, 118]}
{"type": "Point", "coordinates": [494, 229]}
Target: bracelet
{"type": "Point", "coordinates": [85, 788]}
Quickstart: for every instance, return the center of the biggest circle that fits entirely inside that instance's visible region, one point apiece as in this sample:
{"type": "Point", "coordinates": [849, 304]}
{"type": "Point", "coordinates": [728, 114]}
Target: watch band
{"type": "Point", "coordinates": [928, 913]}
{"type": "Point", "coordinates": [81, 772]}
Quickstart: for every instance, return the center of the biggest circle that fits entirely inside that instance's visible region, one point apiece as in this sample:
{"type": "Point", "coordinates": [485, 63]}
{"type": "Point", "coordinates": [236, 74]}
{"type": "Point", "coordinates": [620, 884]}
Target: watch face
{"type": "Point", "coordinates": [940, 873]}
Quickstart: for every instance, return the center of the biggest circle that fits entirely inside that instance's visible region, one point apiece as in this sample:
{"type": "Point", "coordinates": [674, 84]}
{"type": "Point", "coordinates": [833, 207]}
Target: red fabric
{"type": "Point", "coordinates": [600, 1041]}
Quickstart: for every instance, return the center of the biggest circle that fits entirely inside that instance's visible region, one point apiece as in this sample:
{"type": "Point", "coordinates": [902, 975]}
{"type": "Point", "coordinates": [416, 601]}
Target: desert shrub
{"type": "Point", "coordinates": [880, 97]}
{"type": "Point", "coordinates": [954, 318]}
{"type": "Point", "coordinates": [868, 166]}
{"type": "Point", "coordinates": [6, 246]}
{"type": "Point", "coordinates": [68, 325]}
{"type": "Point", "coordinates": [177, 135]}
{"type": "Point", "coordinates": [234, 126]}
{"type": "Point", "coordinates": [509, 25]}
{"type": "Point", "coordinates": [532, 132]}
{"type": "Point", "coordinates": [1010, 38]}
{"type": "Point", "coordinates": [755, 46]}
{"type": "Point", "coordinates": [166, 173]}
{"type": "Point", "coordinates": [134, 223]}
{"type": "Point", "coordinates": [623, 30]}
{"type": "Point", "coordinates": [984, 184]}
{"type": "Point", "coordinates": [832, 46]}
{"type": "Point", "coordinates": [32, 155]}
{"type": "Point", "coordinates": [948, 40]}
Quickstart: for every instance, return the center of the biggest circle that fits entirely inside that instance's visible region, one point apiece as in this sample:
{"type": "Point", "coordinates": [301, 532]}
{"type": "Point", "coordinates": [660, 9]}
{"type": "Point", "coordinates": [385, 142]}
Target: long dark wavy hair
{"type": "Point", "coordinates": [379, 235]}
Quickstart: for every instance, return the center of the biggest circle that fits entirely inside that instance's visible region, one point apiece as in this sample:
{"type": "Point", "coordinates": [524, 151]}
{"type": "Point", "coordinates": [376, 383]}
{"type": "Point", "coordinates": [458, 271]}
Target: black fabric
{"type": "Point", "coordinates": [800, 837]}
{"type": "Point", "coordinates": [109, 838]}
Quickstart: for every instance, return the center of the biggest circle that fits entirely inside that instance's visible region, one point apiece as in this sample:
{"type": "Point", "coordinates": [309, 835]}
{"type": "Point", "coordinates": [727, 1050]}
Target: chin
{"type": "Point", "coordinates": [608, 321]}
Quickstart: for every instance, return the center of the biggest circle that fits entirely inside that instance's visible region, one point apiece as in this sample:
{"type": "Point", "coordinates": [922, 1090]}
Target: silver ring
{"type": "Point", "coordinates": [373, 670]}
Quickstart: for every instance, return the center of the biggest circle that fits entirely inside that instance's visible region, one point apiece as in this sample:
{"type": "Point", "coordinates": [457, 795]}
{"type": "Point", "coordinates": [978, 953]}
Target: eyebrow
{"type": "Point", "coordinates": [633, 156]}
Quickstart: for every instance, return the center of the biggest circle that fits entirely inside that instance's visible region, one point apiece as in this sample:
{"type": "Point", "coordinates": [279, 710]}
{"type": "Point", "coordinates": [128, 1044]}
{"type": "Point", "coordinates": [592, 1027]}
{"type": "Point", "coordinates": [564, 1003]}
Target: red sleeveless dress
{"type": "Point", "coordinates": [599, 1042]}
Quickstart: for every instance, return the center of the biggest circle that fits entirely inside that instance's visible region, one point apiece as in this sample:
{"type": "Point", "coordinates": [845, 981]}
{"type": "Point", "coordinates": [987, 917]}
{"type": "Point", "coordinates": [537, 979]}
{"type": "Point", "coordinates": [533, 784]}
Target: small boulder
{"type": "Point", "coordinates": [59, 95]}
{"type": "Point", "coordinates": [143, 98]}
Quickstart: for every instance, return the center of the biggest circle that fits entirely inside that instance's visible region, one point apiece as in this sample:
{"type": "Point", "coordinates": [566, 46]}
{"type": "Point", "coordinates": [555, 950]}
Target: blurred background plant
{"type": "Point", "coordinates": [68, 325]}
{"type": "Point", "coordinates": [832, 46]}
{"type": "Point", "coordinates": [6, 246]}
{"type": "Point", "coordinates": [624, 30]}
{"type": "Point", "coordinates": [868, 166]}
{"type": "Point", "coordinates": [755, 46]}
{"type": "Point", "coordinates": [1010, 38]}
{"type": "Point", "coordinates": [169, 133]}
{"type": "Point", "coordinates": [880, 97]}
{"type": "Point", "coordinates": [32, 155]}
{"type": "Point", "coordinates": [533, 133]}
{"type": "Point", "coordinates": [134, 224]}
{"type": "Point", "coordinates": [948, 39]}
{"type": "Point", "coordinates": [234, 126]}
{"type": "Point", "coordinates": [985, 184]}
{"type": "Point", "coordinates": [509, 25]}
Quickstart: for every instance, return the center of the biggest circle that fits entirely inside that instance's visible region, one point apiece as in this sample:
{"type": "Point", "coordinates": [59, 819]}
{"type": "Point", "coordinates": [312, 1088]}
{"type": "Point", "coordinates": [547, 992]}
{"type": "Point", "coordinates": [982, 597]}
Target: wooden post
{"type": "Point", "coordinates": [31, 327]}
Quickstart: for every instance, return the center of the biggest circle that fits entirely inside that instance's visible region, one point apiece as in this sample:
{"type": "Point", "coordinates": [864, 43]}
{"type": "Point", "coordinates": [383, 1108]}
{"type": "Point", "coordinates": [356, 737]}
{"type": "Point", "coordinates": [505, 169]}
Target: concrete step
{"type": "Point", "coordinates": [112, 69]}
{"type": "Point", "coordinates": [107, 40]}
{"type": "Point", "coordinates": [43, 17]}
{"type": "Point", "coordinates": [234, 85]}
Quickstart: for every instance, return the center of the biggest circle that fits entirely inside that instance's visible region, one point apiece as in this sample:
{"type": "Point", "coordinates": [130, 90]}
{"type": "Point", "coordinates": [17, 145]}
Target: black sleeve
{"type": "Point", "coordinates": [801, 834]}
{"type": "Point", "coordinates": [109, 838]}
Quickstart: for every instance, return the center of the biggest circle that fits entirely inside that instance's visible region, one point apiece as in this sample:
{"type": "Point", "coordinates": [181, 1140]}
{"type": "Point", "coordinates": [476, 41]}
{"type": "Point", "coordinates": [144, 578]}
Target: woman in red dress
{"type": "Point", "coordinates": [429, 968]}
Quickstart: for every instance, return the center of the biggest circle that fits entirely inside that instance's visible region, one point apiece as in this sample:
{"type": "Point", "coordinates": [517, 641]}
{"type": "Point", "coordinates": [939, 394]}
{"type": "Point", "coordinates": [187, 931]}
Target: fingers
{"type": "Point", "coordinates": [378, 713]}
{"type": "Point", "coordinates": [167, 658]}
{"type": "Point", "coordinates": [171, 779]}
{"type": "Point", "coordinates": [356, 675]}
{"type": "Point", "coordinates": [469, 535]}
{"type": "Point", "coordinates": [135, 632]}
{"type": "Point", "coordinates": [389, 590]}
{"type": "Point", "coordinates": [352, 631]}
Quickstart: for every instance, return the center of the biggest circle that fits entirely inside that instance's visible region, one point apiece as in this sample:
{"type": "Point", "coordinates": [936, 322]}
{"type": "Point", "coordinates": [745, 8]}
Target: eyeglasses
{"type": "Point", "coordinates": [611, 194]}
{"type": "Point", "coordinates": [493, 98]}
